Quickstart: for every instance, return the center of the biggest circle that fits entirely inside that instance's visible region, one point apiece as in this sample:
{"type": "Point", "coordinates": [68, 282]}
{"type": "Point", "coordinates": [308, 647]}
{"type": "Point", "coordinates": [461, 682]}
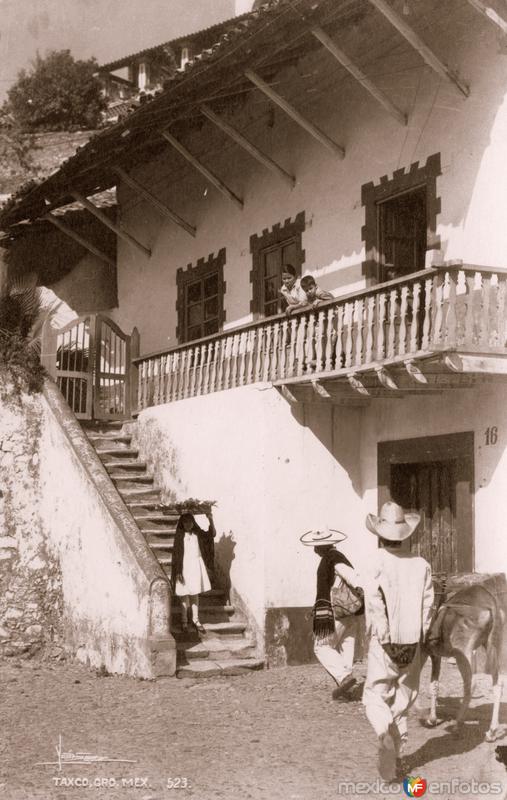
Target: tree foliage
{"type": "Point", "coordinates": [57, 93]}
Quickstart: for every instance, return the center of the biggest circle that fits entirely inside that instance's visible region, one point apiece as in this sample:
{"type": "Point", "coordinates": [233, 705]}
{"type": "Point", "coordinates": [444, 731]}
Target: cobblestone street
{"type": "Point", "coordinates": [267, 736]}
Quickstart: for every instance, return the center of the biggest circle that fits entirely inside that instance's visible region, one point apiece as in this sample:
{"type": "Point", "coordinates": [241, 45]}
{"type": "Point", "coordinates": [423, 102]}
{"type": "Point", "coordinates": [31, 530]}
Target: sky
{"type": "Point", "coordinates": [106, 29]}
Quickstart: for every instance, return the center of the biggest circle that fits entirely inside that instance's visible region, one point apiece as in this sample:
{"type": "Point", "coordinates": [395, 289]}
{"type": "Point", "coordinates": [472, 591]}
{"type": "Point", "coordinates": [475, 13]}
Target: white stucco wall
{"type": "Point", "coordinates": [274, 476]}
{"type": "Point", "coordinates": [276, 471]}
{"type": "Point", "coordinates": [105, 593]}
{"type": "Point", "coordinates": [469, 133]}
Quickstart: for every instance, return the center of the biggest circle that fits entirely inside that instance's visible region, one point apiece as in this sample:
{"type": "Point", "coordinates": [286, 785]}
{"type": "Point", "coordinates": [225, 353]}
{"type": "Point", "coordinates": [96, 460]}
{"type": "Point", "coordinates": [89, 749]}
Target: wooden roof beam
{"type": "Point", "coordinates": [416, 42]}
{"type": "Point", "coordinates": [247, 145]}
{"type": "Point", "coordinates": [294, 114]}
{"type": "Point", "coordinates": [155, 202]}
{"type": "Point", "coordinates": [79, 239]}
{"type": "Point", "coordinates": [117, 229]}
{"type": "Point", "coordinates": [490, 13]}
{"type": "Point", "coordinates": [211, 177]}
{"type": "Point", "coordinates": [358, 74]}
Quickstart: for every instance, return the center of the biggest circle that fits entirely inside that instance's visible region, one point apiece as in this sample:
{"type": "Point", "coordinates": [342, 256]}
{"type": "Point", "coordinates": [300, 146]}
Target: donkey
{"type": "Point", "coordinates": [471, 617]}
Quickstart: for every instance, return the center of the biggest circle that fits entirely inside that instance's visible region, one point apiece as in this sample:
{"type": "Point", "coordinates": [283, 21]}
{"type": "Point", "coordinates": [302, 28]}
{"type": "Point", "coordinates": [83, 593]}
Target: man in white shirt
{"type": "Point", "coordinates": [398, 600]}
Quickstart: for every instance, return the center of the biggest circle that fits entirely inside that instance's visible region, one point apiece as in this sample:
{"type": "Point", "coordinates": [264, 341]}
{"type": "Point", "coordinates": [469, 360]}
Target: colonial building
{"type": "Point", "coordinates": [363, 142]}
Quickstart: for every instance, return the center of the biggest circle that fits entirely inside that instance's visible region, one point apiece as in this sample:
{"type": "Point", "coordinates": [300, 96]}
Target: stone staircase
{"type": "Point", "coordinates": [226, 648]}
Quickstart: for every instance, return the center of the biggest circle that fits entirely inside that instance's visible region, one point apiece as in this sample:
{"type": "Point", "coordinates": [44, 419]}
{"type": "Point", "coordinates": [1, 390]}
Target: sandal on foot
{"type": "Point", "coordinates": [199, 627]}
{"type": "Point", "coordinates": [343, 687]}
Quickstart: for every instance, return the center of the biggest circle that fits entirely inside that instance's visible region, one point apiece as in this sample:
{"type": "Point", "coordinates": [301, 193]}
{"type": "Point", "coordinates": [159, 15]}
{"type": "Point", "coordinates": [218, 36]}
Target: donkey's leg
{"type": "Point", "coordinates": [463, 659]}
{"type": "Point", "coordinates": [432, 721]}
{"type": "Point", "coordinates": [495, 730]}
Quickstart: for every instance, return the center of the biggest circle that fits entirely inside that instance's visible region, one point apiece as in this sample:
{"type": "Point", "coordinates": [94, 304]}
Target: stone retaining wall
{"type": "Point", "coordinates": [30, 581]}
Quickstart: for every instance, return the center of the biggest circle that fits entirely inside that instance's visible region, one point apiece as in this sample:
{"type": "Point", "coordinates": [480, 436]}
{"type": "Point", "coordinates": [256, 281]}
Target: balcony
{"type": "Point", "coordinates": [437, 328]}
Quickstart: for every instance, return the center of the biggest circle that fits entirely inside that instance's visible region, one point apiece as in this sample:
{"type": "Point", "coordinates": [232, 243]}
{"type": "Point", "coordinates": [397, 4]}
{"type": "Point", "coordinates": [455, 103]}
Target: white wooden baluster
{"type": "Point", "coordinates": [259, 355]}
{"type": "Point", "coordinates": [173, 376]}
{"type": "Point", "coordinates": [283, 357]}
{"type": "Point", "coordinates": [167, 377]}
{"type": "Point", "coordinates": [267, 352]}
{"type": "Point", "coordinates": [414, 327]}
{"type": "Point", "coordinates": [310, 343]}
{"type": "Point", "coordinates": [502, 320]}
{"type": "Point", "coordinates": [149, 395]}
{"type": "Point", "coordinates": [227, 362]}
{"type": "Point", "coordinates": [182, 373]}
{"type": "Point", "coordinates": [485, 305]}
{"type": "Point", "coordinates": [381, 324]}
{"type": "Point", "coordinates": [391, 335]}
{"type": "Point", "coordinates": [369, 322]}
{"type": "Point", "coordinates": [293, 334]}
{"type": "Point", "coordinates": [429, 311]}
{"type": "Point", "coordinates": [275, 351]}
{"type": "Point", "coordinates": [219, 360]}
{"type": "Point", "coordinates": [320, 343]}
{"type": "Point", "coordinates": [329, 338]}
{"type": "Point", "coordinates": [156, 381]}
{"type": "Point", "coordinates": [470, 311]}
{"type": "Point", "coordinates": [210, 370]}
{"type": "Point", "coordinates": [349, 323]}
{"type": "Point", "coordinates": [299, 337]}
{"type": "Point", "coordinates": [449, 323]}
{"type": "Point", "coordinates": [402, 337]}
{"type": "Point", "coordinates": [141, 394]}
{"type": "Point", "coordinates": [359, 331]}
{"type": "Point", "coordinates": [202, 360]}
{"type": "Point", "coordinates": [251, 354]}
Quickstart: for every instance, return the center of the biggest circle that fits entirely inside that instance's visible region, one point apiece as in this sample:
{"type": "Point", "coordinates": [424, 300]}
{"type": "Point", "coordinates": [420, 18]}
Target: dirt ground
{"type": "Point", "coordinates": [269, 735]}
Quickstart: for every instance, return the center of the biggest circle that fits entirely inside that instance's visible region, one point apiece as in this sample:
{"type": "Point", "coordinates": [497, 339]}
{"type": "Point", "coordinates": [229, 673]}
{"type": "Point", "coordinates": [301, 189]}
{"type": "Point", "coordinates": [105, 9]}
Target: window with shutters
{"type": "Point", "coordinates": [270, 253]}
{"type": "Point", "coordinates": [401, 221]}
{"type": "Point", "coordinates": [200, 303]}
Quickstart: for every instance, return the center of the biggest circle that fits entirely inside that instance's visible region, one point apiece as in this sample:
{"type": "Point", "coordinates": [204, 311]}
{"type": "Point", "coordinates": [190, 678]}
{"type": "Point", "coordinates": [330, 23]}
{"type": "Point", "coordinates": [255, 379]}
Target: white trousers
{"type": "Point", "coordinates": [389, 691]}
{"type": "Point", "coordinates": [336, 653]}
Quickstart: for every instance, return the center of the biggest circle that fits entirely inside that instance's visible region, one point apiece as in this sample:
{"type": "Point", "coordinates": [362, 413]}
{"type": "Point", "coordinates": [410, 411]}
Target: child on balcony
{"type": "Point", "coordinates": [192, 565]}
{"type": "Point", "coordinates": [314, 294]}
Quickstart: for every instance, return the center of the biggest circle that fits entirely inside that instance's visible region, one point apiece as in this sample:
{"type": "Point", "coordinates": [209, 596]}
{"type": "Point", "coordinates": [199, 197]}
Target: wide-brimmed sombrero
{"type": "Point", "coordinates": [324, 536]}
{"type": "Point", "coordinates": [392, 523]}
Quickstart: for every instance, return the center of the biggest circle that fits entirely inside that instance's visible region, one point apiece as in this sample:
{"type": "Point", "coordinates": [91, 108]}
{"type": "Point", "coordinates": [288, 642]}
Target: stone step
{"type": "Point", "coordinates": [118, 440]}
{"type": "Point", "coordinates": [168, 544]}
{"type": "Point", "coordinates": [118, 453]}
{"type": "Point", "coordinates": [124, 465]}
{"type": "Point", "coordinates": [164, 533]}
{"type": "Point", "coordinates": [224, 628]}
{"type": "Point", "coordinates": [153, 521]}
{"type": "Point", "coordinates": [224, 610]}
{"type": "Point", "coordinates": [130, 493]}
{"type": "Point", "coordinates": [93, 426]}
{"type": "Point", "coordinates": [134, 478]}
{"type": "Point", "coordinates": [218, 649]}
{"type": "Point", "coordinates": [207, 668]}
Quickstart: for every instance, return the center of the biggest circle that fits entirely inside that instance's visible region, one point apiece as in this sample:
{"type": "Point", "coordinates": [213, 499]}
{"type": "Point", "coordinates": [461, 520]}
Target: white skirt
{"type": "Point", "coordinates": [195, 574]}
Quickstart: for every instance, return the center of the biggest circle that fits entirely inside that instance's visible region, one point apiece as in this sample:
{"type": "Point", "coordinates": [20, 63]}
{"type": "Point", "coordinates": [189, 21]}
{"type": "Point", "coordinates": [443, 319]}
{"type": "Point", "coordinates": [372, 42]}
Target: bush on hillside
{"type": "Point", "coordinates": [57, 93]}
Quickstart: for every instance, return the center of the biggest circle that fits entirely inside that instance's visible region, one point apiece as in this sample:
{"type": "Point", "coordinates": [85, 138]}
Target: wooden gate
{"type": "Point", "coordinates": [90, 361]}
{"type": "Point", "coordinates": [434, 476]}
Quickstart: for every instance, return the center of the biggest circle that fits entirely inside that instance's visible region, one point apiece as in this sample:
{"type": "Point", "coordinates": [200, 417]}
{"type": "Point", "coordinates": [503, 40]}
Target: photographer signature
{"type": "Point", "coordinates": [66, 757]}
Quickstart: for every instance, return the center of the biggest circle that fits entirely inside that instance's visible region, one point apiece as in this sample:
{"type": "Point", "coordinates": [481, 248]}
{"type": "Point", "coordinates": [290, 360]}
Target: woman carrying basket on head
{"type": "Point", "coordinates": [338, 604]}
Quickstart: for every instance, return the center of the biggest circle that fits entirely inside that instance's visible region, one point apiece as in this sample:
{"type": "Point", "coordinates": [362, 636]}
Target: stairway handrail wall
{"type": "Point", "coordinates": [160, 600]}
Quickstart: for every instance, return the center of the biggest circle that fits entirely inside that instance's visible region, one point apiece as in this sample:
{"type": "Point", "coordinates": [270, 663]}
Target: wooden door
{"type": "Point", "coordinates": [434, 476]}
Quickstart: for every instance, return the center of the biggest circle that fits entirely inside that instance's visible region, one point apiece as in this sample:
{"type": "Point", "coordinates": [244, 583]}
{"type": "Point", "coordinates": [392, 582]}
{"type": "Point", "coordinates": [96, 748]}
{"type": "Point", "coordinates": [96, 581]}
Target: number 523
{"type": "Point", "coordinates": [178, 783]}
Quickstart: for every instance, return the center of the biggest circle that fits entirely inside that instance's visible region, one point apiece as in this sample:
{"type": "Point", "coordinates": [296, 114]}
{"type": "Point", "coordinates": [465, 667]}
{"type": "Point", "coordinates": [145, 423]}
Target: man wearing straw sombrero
{"type": "Point", "coordinates": [398, 599]}
{"type": "Point", "coordinates": [334, 637]}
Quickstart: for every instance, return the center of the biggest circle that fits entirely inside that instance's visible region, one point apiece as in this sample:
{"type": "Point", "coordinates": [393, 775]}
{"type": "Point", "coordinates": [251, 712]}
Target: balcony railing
{"type": "Point", "coordinates": [452, 308]}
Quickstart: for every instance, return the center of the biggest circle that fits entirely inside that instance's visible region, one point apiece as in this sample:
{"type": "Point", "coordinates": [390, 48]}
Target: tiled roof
{"type": "Point", "coordinates": [277, 27]}
{"type": "Point", "coordinates": [205, 33]}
